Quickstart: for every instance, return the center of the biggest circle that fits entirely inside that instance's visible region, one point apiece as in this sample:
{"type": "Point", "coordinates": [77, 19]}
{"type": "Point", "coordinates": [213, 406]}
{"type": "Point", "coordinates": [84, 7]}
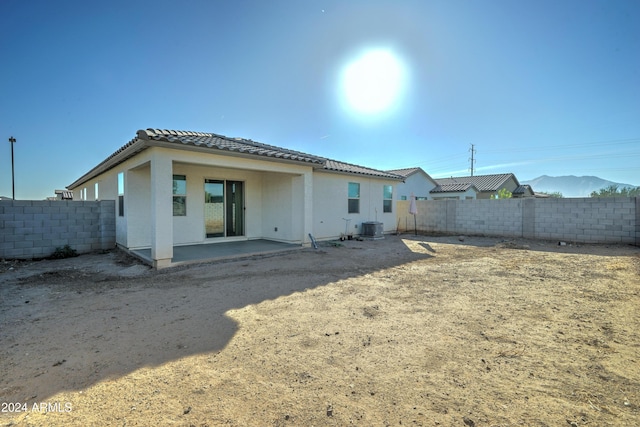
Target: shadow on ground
{"type": "Point", "coordinates": [71, 328]}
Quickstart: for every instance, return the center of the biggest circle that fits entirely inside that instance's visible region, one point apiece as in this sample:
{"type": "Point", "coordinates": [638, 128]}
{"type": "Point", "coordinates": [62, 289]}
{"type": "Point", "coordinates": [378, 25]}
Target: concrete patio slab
{"type": "Point", "coordinates": [219, 251]}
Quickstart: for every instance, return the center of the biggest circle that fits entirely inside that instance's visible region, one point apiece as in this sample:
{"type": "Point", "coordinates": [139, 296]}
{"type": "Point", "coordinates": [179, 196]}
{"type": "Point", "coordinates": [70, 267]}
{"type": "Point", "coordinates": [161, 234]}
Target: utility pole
{"type": "Point", "coordinates": [12, 140]}
{"type": "Point", "coordinates": [472, 159]}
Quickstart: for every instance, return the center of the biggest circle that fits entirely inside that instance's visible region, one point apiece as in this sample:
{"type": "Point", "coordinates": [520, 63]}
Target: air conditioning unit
{"type": "Point", "coordinates": [372, 230]}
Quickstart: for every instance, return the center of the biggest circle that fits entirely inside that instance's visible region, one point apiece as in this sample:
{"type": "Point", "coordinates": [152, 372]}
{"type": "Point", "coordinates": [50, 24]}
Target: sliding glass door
{"type": "Point", "coordinates": [223, 208]}
{"type": "Point", "coordinates": [235, 208]}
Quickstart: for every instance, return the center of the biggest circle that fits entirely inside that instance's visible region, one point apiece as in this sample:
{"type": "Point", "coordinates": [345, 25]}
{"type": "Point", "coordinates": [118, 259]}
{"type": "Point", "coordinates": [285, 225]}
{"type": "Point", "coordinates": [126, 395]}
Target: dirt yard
{"type": "Point", "coordinates": [412, 331]}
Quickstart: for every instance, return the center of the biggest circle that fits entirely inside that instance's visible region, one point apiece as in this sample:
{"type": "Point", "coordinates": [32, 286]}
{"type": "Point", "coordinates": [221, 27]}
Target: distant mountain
{"type": "Point", "coordinates": [571, 186]}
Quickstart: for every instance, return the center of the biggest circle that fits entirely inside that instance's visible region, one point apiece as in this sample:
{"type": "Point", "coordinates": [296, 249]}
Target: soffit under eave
{"type": "Point", "coordinates": [120, 156]}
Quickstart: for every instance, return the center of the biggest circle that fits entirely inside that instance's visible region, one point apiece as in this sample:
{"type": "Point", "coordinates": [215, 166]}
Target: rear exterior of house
{"type": "Point", "coordinates": [178, 188]}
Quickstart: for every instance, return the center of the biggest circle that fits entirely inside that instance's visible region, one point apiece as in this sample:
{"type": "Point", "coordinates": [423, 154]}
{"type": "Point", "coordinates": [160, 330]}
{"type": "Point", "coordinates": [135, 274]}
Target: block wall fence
{"type": "Point", "coordinates": [580, 220]}
{"type": "Point", "coordinates": [34, 228]}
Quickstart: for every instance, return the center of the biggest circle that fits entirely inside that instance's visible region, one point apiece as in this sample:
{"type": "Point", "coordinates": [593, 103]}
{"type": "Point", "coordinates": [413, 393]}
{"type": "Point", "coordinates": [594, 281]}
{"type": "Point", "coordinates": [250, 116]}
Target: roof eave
{"type": "Point", "coordinates": [133, 147]}
{"type": "Point", "coordinates": [139, 144]}
{"type": "Point", "coordinates": [224, 152]}
{"type": "Point", "coordinates": [322, 168]}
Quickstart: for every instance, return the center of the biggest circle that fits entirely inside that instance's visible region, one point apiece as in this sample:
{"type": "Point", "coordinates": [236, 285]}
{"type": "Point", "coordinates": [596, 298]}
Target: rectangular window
{"type": "Point", "coordinates": [121, 194]}
{"type": "Point", "coordinates": [95, 191]}
{"type": "Point", "coordinates": [354, 197]}
{"type": "Point", "coordinates": [179, 195]}
{"type": "Point", "coordinates": [387, 198]}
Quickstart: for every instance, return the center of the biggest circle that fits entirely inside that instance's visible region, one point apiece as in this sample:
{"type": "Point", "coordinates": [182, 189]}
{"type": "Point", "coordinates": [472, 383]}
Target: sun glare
{"type": "Point", "coordinates": [373, 82]}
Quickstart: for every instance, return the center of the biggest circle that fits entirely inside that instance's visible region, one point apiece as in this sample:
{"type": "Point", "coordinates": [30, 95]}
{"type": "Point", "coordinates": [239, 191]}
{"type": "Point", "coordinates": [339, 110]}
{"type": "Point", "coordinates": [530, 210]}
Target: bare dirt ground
{"type": "Point", "coordinates": [417, 331]}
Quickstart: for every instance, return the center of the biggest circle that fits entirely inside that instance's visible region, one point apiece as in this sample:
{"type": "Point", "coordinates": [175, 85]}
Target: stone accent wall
{"type": "Point", "coordinates": [34, 228]}
{"type": "Point", "coordinates": [584, 220]}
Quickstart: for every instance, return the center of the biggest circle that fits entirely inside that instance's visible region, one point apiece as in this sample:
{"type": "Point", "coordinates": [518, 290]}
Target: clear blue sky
{"type": "Point", "coordinates": [539, 87]}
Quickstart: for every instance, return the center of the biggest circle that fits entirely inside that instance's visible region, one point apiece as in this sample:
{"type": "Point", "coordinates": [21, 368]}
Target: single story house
{"type": "Point", "coordinates": [62, 195]}
{"type": "Point", "coordinates": [479, 187]}
{"type": "Point", "coordinates": [416, 182]}
{"type": "Point", "coordinates": [180, 188]}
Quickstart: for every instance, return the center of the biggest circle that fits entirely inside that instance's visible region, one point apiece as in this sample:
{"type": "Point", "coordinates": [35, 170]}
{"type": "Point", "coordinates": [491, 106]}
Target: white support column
{"type": "Point", "coordinates": [161, 210]}
{"type": "Point", "coordinates": [307, 220]}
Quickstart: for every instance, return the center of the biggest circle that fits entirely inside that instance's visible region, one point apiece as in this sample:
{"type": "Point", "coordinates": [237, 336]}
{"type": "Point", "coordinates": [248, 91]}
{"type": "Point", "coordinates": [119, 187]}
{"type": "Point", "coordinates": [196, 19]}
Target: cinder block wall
{"type": "Point", "coordinates": [585, 220]}
{"type": "Point", "coordinates": [34, 228]}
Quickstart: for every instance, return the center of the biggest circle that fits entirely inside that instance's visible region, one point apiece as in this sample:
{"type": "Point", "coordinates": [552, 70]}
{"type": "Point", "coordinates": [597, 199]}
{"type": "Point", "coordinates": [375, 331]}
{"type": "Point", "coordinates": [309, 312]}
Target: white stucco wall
{"type": "Point", "coordinates": [291, 197]}
{"type": "Point", "coordinates": [190, 228]}
{"type": "Point", "coordinates": [330, 204]}
{"type": "Point", "coordinates": [418, 184]}
{"type": "Point", "coordinates": [272, 191]}
{"type": "Point", "coordinates": [277, 212]}
{"type": "Point", "coordinates": [137, 219]}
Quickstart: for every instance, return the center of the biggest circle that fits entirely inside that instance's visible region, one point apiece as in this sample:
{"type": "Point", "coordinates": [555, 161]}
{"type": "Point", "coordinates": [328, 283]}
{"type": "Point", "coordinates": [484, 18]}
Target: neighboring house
{"type": "Point", "coordinates": [479, 187]}
{"type": "Point", "coordinates": [62, 195]}
{"type": "Point", "coordinates": [524, 191]}
{"type": "Point", "coordinates": [178, 188]}
{"type": "Point", "coordinates": [454, 190]}
{"type": "Point", "coordinates": [416, 181]}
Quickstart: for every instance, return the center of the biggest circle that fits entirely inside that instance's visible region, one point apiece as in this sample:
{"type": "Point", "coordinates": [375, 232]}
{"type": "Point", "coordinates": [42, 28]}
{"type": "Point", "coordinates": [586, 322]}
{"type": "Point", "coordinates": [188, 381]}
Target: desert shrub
{"type": "Point", "coordinates": [65, 251]}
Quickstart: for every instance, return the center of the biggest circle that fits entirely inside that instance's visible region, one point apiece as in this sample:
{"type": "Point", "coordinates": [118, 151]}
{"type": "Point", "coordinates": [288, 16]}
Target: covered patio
{"type": "Point", "coordinates": [190, 254]}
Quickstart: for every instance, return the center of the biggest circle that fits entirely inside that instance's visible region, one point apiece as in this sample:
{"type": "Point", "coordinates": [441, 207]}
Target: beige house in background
{"type": "Point", "coordinates": [479, 187]}
{"type": "Point", "coordinates": [423, 187]}
{"type": "Point", "coordinates": [181, 188]}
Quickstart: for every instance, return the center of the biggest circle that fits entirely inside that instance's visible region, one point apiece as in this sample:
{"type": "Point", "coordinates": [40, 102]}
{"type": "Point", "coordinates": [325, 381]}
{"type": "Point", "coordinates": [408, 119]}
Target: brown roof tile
{"type": "Point", "coordinates": [481, 182]}
{"type": "Point", "coordinates": [453, 187]}
{"type": "Point", "coordinates": [223, 143]}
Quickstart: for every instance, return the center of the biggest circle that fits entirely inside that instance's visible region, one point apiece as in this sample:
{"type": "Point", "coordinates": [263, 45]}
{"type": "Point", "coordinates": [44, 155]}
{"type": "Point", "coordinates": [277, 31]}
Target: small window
{"type": "Point", "coordinates": [121, 194]}
{"type": "Point", "coordinates": [95, 191]}
{"type": "Point", "coordinates": [387, 198]}
{"type": "Point", "coordinates": [354, 197]}
{"type": "Point", "coordinates": [179, 195]}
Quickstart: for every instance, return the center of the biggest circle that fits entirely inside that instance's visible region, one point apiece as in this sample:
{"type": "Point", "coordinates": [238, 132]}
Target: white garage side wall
{"type": "Point", "coordinates": [330, 204]}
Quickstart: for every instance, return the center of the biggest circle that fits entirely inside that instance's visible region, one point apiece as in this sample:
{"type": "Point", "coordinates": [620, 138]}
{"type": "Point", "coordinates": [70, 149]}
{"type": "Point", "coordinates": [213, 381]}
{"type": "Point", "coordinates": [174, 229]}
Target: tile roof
{"type": "Point", "coordinates": [247, 146]}
{"type": "Point", "coordinates": [220, 142]}
{"type": "Point", "coordinates": [215, 142]}
{"type": "Point", "coordinates": [334, 165]}
{"type": "Point", "coordinates": [481, 182]}
{"type": "Point", "coordinates": [522, 189]}
{"type": "Point", "coordinates": [404, 172]}
{"type": "Point", "coordinates": [453, 187]}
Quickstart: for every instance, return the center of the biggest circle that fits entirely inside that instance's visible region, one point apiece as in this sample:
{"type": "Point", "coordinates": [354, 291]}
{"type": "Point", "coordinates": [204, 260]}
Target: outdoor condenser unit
{"type": "Point", "coordinates": [372, 230]}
